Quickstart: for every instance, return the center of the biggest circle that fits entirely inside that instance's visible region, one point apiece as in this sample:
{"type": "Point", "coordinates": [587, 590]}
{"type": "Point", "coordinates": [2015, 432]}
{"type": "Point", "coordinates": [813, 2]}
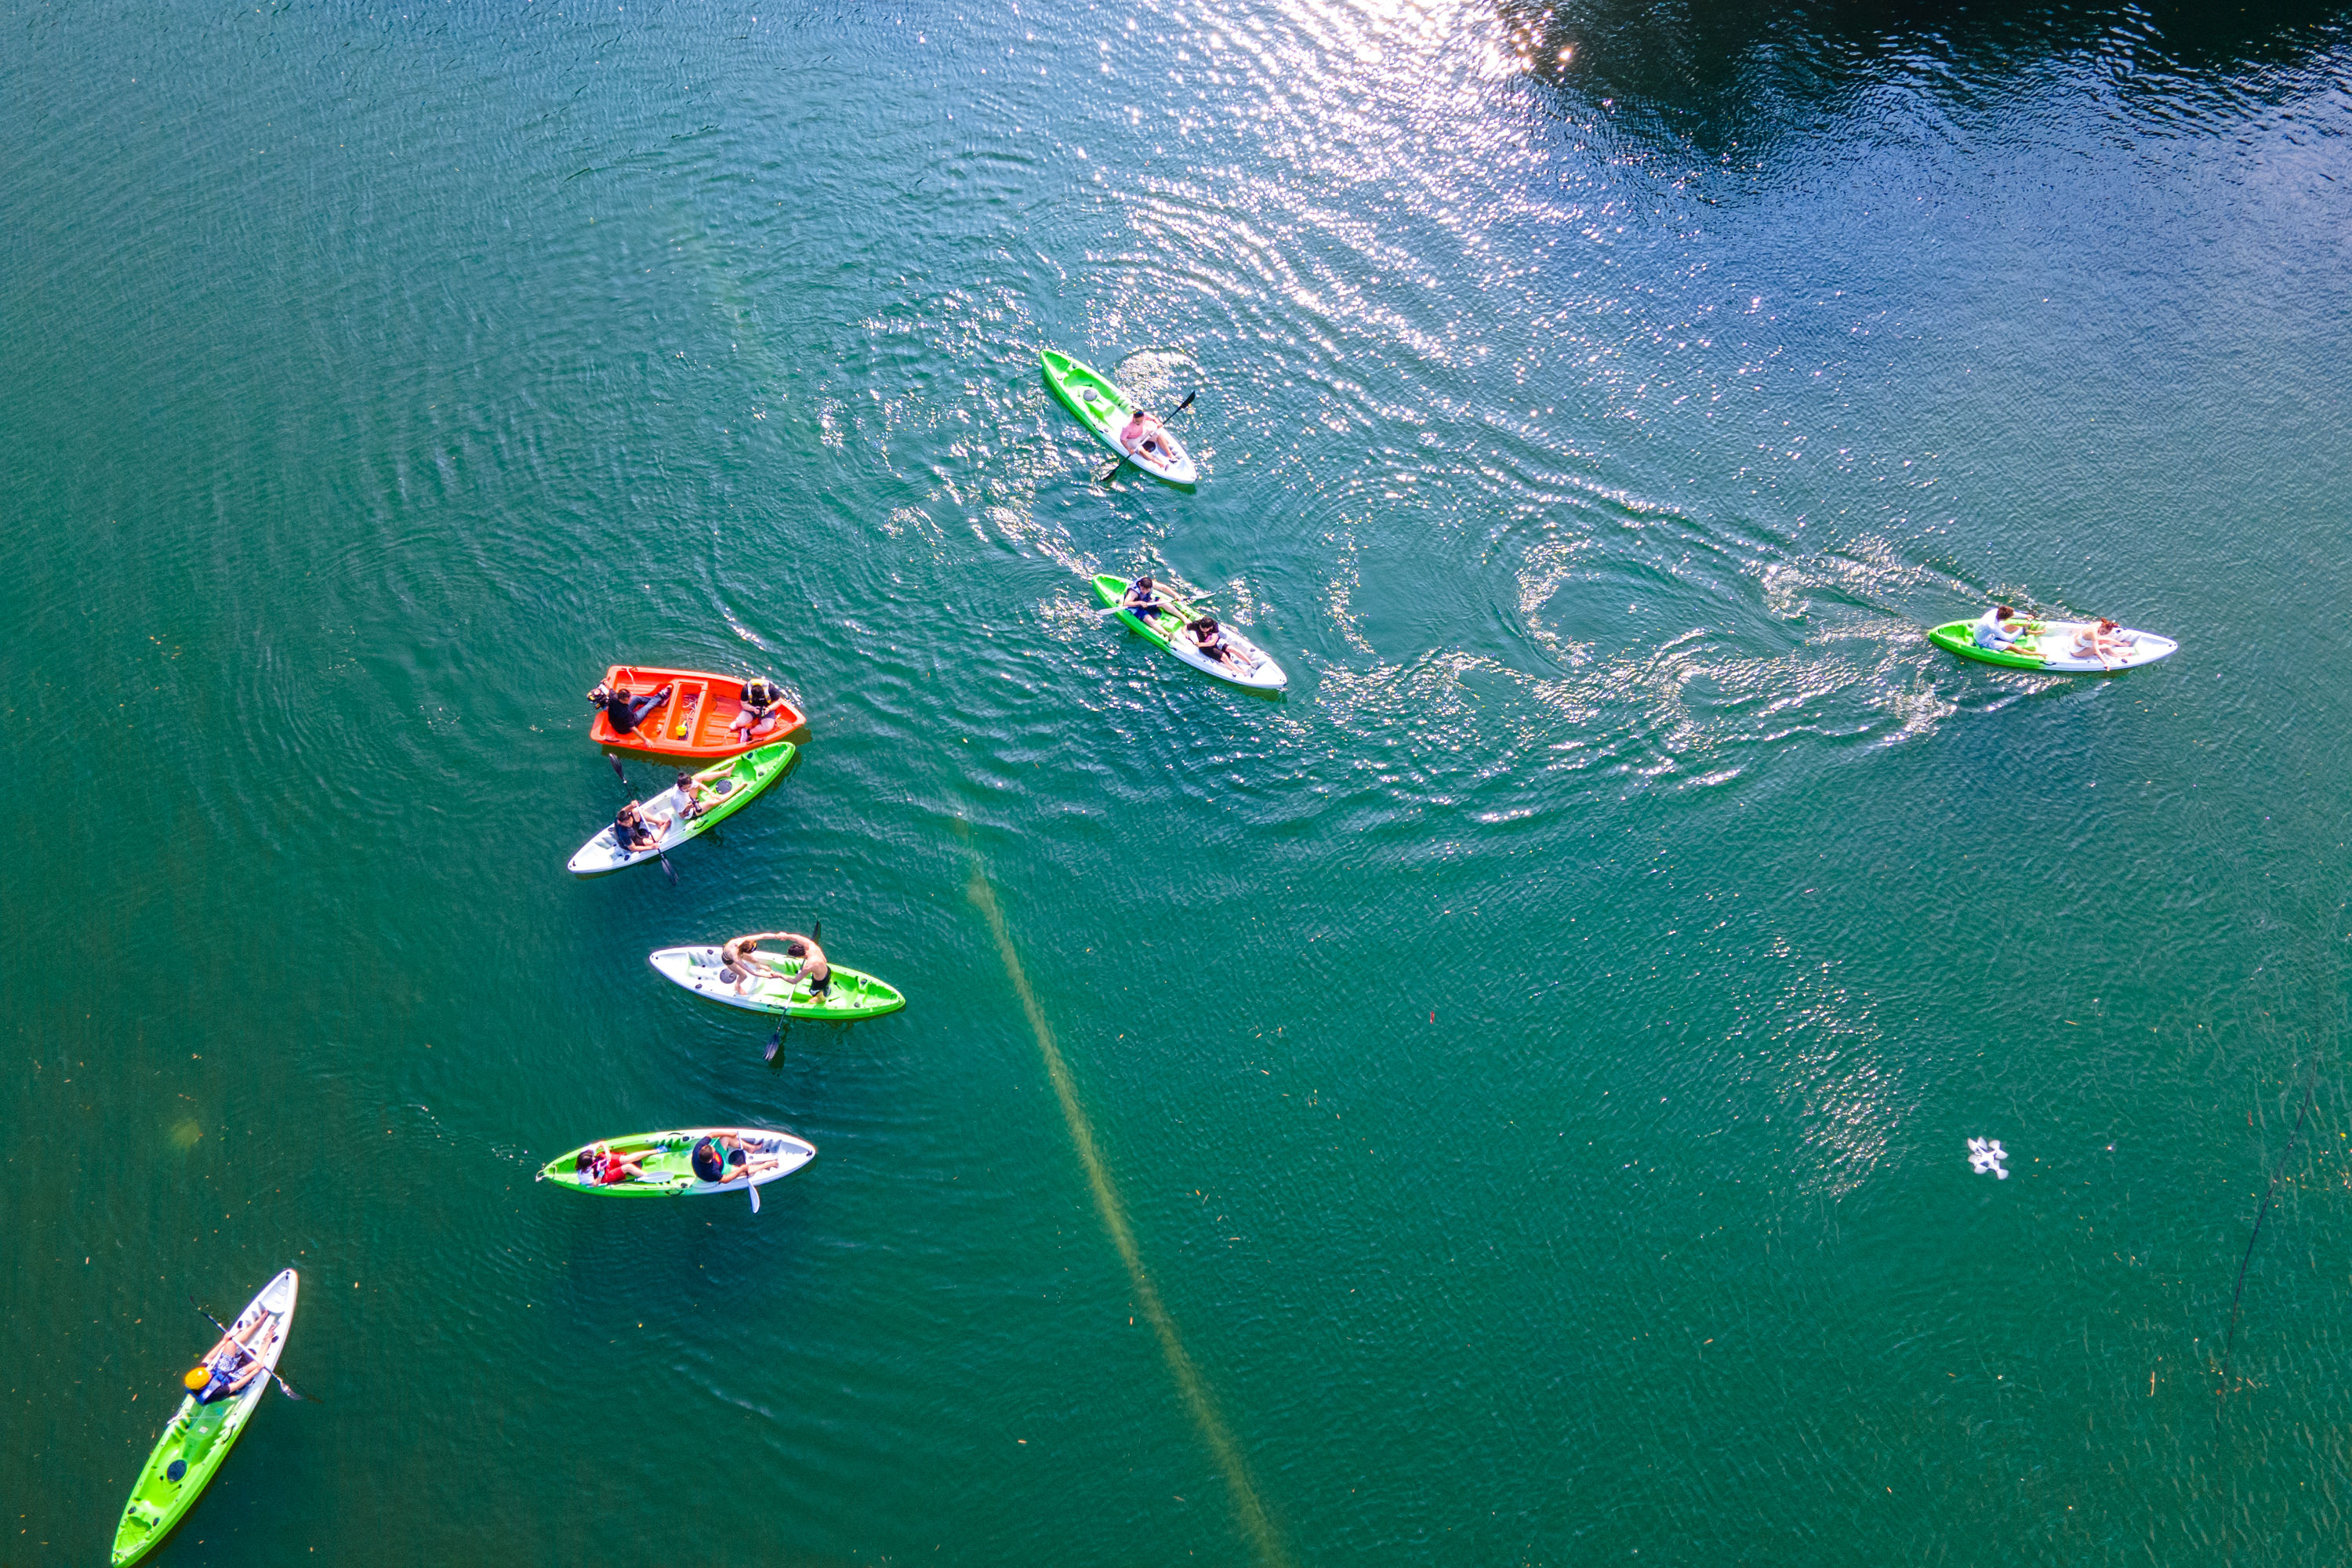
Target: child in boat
{"type": "Point", "coordinates": [600, 1166]}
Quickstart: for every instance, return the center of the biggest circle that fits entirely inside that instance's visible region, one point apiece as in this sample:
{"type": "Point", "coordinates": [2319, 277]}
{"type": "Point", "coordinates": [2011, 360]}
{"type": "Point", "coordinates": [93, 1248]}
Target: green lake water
{"type": "Point", "coordinates": [1506, 1101]}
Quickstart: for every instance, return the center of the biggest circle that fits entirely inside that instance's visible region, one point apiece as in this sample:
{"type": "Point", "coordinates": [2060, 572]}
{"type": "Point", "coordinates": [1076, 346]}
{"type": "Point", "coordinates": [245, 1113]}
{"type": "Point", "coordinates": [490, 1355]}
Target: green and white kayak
{"type": "Point", "coordinates": [1102, 409]}
{"type": "Point", "coordinates": [1245, 664]}
{"type": "Point", "coordinates": [848, 995]}
{"type": "Point", "coordinates": [734, 782]}
{"type": "Point", "coordinates": [199, 1436]}
{"type": "Point", "coordinates": [667, 1161]}
{"type": "Point", "coordinates": [2049, 645]}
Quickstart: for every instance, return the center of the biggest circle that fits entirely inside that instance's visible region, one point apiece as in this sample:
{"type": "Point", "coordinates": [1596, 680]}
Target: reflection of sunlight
{"type": "Point", "coordinates": [1826, 1046]}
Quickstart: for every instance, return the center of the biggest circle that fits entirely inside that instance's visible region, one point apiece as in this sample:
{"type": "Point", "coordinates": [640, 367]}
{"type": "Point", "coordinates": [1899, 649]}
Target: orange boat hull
{"type": "Point", "coordinates": [692, 725]}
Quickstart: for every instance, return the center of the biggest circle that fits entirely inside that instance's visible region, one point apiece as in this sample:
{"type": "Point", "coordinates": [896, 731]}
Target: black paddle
{"type": "Point", "coordinates": [282, 1384]}
{"type": "Point", "coordinates": [668, 869]}
{"type": "Point", "coordinates": [1104, 477]}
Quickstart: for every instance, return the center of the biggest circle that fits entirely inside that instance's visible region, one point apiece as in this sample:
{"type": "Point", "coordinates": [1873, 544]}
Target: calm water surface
{"type": "Point", "coordinates": [1506, 1102]}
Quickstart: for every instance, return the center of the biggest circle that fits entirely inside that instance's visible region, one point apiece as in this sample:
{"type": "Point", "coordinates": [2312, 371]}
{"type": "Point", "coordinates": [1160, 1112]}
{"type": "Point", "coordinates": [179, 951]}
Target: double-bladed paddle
{"type": "Point", "coordinates": [282, 1384]}
{"type": "Point", "coordinates": [1104, 477]}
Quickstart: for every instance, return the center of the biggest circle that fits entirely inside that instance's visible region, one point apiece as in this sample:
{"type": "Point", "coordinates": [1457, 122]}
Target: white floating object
{"type": "Point", "coordinates": [1986, 1154]}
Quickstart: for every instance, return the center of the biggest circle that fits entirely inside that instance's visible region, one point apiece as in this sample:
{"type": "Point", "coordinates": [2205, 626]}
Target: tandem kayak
{"type": "Point", "coordinates": [1102, 409]}
{"type": "Point", "coordinates": [734, 786]}
{"type": "Point", "coordinates": [692, 726]}
{"type": "Point", "coordinates": [1254, 670]}
{"type": "Point", "coordinates": [2049, 645]}
{"type": "Point", "coordinates": [199, 1436]}
{"type": "Point", "coordinates": [667, 1161]}
{"type": "Point", "coordinates": [849, 997]}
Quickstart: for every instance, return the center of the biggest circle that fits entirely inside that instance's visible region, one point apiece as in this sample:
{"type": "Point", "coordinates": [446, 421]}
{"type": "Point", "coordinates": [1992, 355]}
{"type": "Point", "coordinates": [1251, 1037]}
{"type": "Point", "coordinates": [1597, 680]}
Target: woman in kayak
{"type": "Point", "coordinates": [742, 961]}
{"type": "Point", "coordinates": [760, 701]}
{"type": "Point", "coordinates": [1211, 641]}
{"type": "Point", "coordinates": [1143, 437]}
{"type": "Point", "coordinates": [626, 713]}
{"type": "Point", "coordinates": [1998, 627]}
{"type": "Point", "coordinates": [695, 791]}
{"type": "Point", "coordinates": [228, 1366]}
{"type": "Point", "coordinates": [2101, 640]}
{"type": "Point", "coordinates": [1143, 599]}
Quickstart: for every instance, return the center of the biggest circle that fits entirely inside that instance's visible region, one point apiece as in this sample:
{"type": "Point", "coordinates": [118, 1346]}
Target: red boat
{"type": "Point", "coordinates": [692, 725]}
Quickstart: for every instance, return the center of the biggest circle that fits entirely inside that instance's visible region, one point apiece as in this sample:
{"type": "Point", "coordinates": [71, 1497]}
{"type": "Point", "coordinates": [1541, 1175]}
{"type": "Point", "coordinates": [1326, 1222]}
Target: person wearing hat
{"type": "Point", "coordinates": [228, 1366]}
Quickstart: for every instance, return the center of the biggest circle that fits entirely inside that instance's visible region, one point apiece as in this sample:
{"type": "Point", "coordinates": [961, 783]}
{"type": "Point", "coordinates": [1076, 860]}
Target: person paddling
{"type": "Point", "coordinates": [1144, 600]}
{"type": "Point", "coordinates": [634, 833]}
{"type": "Point", "coordinates": [226, 1368]}
{"type": "Point", "coordinates": [1144, 437]}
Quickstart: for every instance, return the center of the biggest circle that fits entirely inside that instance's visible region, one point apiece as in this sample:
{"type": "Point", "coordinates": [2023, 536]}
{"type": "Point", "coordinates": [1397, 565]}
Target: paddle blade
{"type": "Point", "coordinates": [775, 1043]}
{"type": "Point", "coordinates": [616, 769]}
{"type": "Point", "coordinates": [670, 870]}
{"type": "Point", "coordinates": [1187, 400]}
{"type": "Point", "coordinates": [754, 1191]}
{"type": "Point", "coordinates": [816, 932]}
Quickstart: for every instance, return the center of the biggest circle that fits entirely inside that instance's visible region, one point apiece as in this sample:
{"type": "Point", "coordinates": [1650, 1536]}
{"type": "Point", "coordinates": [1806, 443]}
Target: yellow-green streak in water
{"type": "Point", "coordinates": [1189, 1382]}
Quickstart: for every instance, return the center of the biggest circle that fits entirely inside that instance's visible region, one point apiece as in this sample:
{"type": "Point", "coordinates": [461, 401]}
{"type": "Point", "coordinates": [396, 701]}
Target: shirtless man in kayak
{"type": "Point", "coordinates": [814, 971]}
